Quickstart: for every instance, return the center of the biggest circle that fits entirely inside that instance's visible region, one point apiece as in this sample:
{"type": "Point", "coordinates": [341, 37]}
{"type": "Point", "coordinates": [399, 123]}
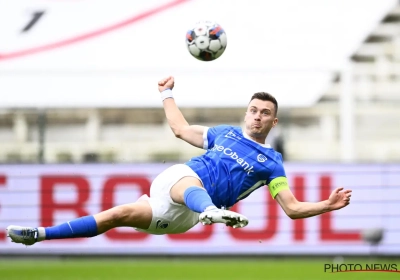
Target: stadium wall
{"type": "Point", "coordinates": [49, 194]}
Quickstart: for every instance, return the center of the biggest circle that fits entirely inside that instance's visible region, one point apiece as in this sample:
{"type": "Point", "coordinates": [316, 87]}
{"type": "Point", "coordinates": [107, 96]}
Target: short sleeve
{"type": "Point", "coordinates": [211, 133]}
{"type": "Point", "coordinates": [279, 171]}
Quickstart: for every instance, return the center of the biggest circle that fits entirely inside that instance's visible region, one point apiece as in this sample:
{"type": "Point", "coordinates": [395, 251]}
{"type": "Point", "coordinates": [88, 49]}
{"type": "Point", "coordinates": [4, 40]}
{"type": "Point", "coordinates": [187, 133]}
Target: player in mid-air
{"type": "Point", "coordinates": [236, 162]}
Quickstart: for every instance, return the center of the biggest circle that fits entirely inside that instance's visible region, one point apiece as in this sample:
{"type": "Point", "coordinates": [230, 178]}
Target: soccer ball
{"type": "Point", "coordinates": [206, 41]}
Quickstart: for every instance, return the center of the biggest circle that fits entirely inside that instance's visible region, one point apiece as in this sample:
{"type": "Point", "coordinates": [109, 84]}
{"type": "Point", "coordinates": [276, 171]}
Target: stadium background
{"type": "Point", "coordinates": [82, 129]}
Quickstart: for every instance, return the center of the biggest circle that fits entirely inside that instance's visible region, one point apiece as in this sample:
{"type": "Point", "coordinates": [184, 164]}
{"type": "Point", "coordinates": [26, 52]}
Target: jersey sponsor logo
{"type": "Point", "coordinates": [161, 224]}
{"type": "Point", "coordinates": [233, 155]}
{"type": "Point", "coordinates": [233, 135]}
{"type": "Point", "coordinates": [262, 158]}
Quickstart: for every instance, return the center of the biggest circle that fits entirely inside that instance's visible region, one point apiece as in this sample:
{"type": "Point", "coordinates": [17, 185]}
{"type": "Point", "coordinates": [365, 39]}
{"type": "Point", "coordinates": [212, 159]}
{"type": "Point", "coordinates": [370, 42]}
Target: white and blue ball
{"type": "Point", "coordinates": [206, 41]}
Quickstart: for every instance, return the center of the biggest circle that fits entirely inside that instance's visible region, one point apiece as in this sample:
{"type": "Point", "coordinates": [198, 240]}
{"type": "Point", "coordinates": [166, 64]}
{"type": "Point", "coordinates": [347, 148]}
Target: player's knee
{"type": "Point", "coordinates": [118, 214]}
{"type": "Point", "coordinates": [178, 190]}
{"type": "Point", "coordinates": [138, 214]}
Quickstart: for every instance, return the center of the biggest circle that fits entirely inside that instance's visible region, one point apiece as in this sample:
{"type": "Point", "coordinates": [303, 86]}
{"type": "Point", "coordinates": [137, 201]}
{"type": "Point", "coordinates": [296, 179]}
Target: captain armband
{"type": "Point", "coordinates": [278, 184]}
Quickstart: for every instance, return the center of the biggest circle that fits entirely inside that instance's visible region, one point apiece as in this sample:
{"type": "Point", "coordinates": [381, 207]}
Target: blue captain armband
{"type": "Point", "coordinates": [278, 184]}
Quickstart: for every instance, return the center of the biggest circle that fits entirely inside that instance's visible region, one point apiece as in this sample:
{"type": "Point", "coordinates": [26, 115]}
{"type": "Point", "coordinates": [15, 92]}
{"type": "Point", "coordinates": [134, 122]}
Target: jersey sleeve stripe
{"type": "Point", "coordinates": [251, 189]}
{"type": "Point", "coordinates": [205, 138]}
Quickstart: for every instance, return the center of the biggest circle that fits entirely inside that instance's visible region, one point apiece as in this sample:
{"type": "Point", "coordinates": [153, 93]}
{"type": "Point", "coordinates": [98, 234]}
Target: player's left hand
{"type": "Point", "coordinates": [339, 198]}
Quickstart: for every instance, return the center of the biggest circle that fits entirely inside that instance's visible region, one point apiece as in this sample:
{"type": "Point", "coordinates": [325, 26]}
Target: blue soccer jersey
{"type": "Point", "coordinates": [234, 166]}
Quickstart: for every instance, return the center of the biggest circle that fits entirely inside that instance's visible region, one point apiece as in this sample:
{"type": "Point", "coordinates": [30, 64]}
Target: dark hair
{"type": "Point", "coordinates": [266, 97]}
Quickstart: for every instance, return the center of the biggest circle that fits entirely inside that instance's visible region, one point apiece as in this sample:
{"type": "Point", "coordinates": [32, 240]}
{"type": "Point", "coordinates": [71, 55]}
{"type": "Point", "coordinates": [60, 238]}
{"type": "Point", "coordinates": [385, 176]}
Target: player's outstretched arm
{"type": "Point", "coordinates": [298, 210]}
{"type": "Point", "coordinates": [193, 134]}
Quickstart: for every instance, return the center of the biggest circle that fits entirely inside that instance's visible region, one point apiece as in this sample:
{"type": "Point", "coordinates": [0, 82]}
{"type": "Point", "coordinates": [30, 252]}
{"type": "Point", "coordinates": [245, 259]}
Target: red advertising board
{"type": "Point", "coordinates": [44, 195]}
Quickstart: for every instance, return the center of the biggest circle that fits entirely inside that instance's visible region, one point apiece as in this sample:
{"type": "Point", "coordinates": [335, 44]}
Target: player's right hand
{"type": "Point", "coordinates": [166, 83]}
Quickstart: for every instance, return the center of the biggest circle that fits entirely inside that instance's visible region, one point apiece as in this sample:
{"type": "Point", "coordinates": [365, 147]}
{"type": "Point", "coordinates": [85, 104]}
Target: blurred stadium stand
{"type": "Point", "coordinates": [309, 134]}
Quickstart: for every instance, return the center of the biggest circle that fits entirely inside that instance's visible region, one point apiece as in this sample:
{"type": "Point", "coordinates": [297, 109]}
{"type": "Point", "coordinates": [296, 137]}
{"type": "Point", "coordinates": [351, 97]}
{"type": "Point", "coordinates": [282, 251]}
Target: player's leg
{"type": "Point", "coordinates": [136, 215]}
{"type": "Point", "coordinates": [190, 192]}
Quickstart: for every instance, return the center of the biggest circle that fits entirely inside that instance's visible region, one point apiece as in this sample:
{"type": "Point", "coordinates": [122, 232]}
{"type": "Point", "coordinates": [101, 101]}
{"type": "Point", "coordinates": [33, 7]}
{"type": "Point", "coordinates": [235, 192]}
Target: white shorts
{"type": "Point", "coordinates": [168, 216]}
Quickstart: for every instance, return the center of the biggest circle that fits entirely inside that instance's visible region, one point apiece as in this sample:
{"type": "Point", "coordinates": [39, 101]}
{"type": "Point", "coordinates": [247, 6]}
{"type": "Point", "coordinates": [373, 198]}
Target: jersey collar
{"type": "Point", "coordinates": [248, 137]}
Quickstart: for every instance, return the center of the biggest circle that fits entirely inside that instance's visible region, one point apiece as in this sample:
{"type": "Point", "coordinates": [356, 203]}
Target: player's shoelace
{"type": "Point", "coordinates": [29, 234]}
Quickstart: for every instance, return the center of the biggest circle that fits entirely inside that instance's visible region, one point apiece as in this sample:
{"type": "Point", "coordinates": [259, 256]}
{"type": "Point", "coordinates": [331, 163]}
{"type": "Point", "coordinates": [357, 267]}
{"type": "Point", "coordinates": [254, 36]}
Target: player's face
{"type": "Point", "coordinates": [259, 119]}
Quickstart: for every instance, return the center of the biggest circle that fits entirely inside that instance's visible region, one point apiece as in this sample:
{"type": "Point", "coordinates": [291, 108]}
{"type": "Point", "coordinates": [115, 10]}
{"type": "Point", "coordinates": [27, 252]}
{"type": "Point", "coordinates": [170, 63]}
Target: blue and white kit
{"type": "Point", "coordinates": [235, 166]}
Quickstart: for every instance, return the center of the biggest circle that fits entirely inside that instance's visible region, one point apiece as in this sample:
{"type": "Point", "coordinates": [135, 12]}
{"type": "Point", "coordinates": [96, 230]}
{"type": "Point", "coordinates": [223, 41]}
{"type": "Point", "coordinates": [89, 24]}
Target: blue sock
{"type": "Point", "coordinates": [197, 199]}
{"type": "Point", "coordinates": [81, 227]}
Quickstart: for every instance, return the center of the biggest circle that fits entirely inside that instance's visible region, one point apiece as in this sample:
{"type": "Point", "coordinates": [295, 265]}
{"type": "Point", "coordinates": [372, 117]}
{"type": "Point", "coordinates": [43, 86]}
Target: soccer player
{"type": "Point", "coordinates": [236, 162]}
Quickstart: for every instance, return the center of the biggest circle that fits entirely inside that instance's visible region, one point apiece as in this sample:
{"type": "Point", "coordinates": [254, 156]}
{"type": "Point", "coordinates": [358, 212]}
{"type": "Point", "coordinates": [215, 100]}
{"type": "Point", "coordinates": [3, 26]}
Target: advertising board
{"type": "Point", "coordinates": [45, 195]}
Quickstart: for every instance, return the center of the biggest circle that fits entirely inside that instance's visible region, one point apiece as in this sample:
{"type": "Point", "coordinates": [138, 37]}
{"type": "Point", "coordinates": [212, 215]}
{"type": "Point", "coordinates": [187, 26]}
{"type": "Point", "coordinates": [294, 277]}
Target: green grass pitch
{"type": "Point", "coordinates": [180, 269]}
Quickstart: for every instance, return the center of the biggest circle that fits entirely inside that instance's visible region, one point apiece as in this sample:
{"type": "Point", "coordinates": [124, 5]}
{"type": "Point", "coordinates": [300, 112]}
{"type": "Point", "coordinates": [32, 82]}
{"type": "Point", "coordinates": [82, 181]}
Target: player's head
{"type": "Point", "coordinates": [261, 115]}
{"type": "Point", "coordinates": [264, 96]}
